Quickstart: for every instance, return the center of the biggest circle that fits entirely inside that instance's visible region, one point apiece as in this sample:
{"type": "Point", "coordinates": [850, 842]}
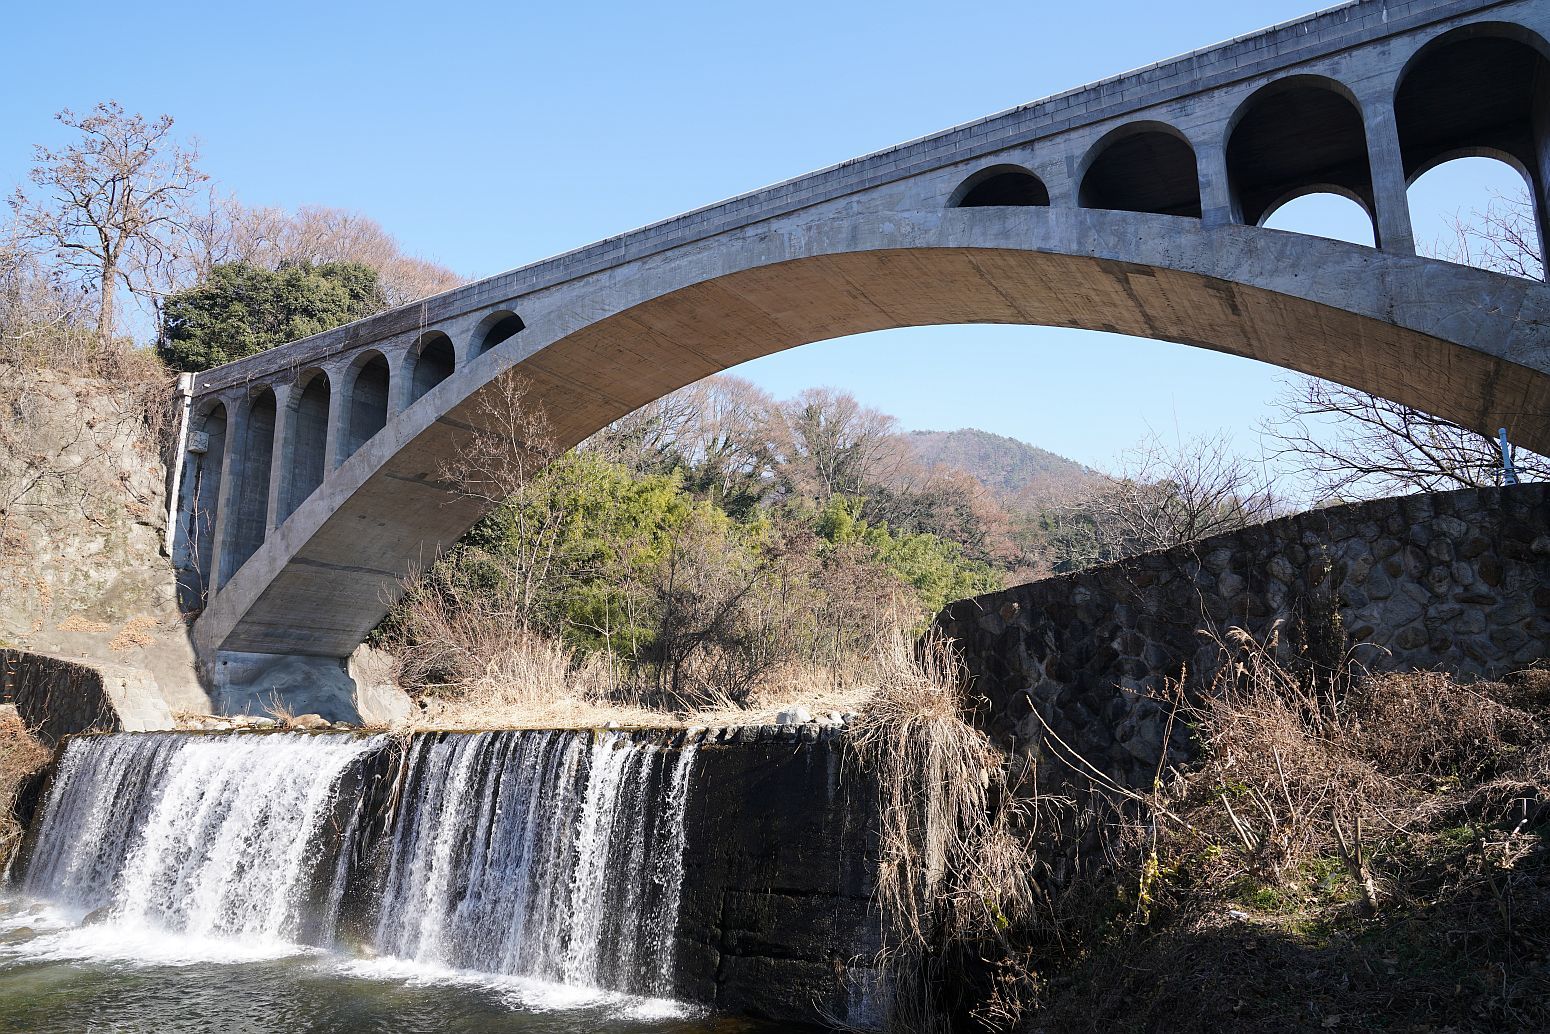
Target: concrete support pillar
{"type": "Point", "coordinates": [400, 380]}
{"type": "Point", "coordinates": [230, 493]}
{"type": "Point", "coordinates": [1539, 174]}
{"type": "Point", "coordinates": [1058, 180]}
{"type": "Point", "coordinates": [1391, 205]}
{"type": "Point", "coordinates": [1539, 193]}
{"type": "Point", "coordinates": [338, 416]}
{"type": "Point", "coordinates": [185, 409]}
{"type": "Point", "coordinates": [279, 458]}
{"type": "Point", "coordinates": [1216, 201]}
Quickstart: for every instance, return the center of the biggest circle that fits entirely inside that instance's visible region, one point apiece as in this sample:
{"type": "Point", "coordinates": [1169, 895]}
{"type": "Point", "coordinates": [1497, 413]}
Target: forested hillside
{"type": "Point", "coordinates": [1019, 475]}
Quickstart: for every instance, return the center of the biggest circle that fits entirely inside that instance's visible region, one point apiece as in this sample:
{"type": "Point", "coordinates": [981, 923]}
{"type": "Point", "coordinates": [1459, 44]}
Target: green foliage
{"type": "Point", "coordinates": [587, 531]}
{"type": "Point", "coordinates": [242, 309]}
{"type": "Point", "coordinates": [934, 567]}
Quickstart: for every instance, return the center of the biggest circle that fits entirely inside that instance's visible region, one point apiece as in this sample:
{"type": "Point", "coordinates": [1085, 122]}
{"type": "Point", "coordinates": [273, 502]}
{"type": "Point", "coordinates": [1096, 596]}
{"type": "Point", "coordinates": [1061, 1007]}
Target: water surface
{"type": "Point", "coordinates": [65, 978]}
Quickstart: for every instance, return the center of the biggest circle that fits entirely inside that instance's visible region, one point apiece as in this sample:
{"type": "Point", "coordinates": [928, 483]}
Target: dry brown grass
{"type": "Point", "coordinates": [527, 681]}
{"type": "Point", "coordinates": [535, 681]}
{"type": "Point", "coordinates": [20, 756]}
{"type": "Point", "coordinates": [135, 634]}
{"type": "Point", "coordinates": [953, 878]}
{"type": "Point", "coordinates": [1350, 851]}
{"type": "Point", "coordinates": [77, 623]}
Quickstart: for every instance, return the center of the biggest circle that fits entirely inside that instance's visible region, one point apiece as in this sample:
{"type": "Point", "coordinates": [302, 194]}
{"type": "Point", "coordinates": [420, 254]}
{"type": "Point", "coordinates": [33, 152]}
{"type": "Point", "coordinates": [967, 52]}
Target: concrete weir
{"type": "Point", "coordinates": [726, 868]}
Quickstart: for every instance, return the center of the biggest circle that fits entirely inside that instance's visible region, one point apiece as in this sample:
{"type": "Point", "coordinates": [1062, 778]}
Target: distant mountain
{"type": "Point", "coordinates": [1019, 475]}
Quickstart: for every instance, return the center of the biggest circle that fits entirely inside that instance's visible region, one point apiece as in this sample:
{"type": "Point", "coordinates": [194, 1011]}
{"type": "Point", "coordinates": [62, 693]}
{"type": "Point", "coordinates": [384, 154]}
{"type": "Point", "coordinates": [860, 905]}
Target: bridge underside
{"type": "Point", "coordinates": [1467, 345]}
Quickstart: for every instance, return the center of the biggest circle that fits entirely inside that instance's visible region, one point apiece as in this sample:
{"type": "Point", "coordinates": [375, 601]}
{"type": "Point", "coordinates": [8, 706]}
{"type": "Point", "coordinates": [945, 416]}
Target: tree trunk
{"type": "Point", "coordinates": [105, 313]}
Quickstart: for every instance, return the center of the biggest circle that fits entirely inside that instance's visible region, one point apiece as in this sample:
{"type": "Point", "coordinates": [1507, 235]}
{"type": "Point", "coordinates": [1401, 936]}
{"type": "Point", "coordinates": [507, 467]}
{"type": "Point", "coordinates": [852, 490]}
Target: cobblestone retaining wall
{"type": "Point", "coordinates": [1456, 581]}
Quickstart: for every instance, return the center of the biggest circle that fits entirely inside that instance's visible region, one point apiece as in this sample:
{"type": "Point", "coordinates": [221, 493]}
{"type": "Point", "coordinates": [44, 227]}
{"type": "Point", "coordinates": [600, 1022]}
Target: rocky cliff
{"type": "Point", "coordinates": [82, 517]}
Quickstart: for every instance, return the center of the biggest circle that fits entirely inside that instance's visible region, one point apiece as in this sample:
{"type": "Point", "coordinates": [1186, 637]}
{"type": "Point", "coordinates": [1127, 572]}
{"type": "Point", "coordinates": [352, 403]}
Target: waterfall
{"type": "Point", "coordinates": [550, 855]}
{"type": "Point", "coordinates": [204, 835]}
{"type": "Point", "coordinates": [554, 855]}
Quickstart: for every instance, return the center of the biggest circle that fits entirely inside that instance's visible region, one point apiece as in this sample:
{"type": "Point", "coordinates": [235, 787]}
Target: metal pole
{"type": "Point", "coordinates": [1509, 474]}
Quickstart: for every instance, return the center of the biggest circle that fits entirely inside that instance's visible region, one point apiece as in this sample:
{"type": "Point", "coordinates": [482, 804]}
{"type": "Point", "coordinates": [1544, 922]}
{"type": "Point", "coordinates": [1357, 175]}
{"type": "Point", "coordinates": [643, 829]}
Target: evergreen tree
{"type": "Point", "coordinates": [240, 309]}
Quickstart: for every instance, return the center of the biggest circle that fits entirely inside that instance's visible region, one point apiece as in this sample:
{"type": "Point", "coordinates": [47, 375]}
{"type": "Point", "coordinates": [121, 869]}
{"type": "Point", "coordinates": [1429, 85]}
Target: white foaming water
{"type": "Point", "coordinates": [525, 993]}
{"type": "Point", "coordinates": [545, 866]}
{"type": "Point", "coordinates": [559, 858]}
{"type": "Point", "coordinates": [204, 836]}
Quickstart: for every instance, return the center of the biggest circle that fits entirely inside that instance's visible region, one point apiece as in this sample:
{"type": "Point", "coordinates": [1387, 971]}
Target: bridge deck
{"type": "Point", "coordinates": [1318, 35]}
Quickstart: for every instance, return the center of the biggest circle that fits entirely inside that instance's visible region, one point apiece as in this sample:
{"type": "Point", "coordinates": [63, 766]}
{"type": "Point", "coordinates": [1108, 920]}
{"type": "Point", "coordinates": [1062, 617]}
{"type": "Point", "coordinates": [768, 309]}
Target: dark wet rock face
{"type": "Point", "coordinates": [778, 863]}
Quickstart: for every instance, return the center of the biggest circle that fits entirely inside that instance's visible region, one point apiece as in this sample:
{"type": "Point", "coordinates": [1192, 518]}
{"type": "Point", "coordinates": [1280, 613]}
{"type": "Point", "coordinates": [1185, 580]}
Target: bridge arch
{"type": "Point", "coordinates": [1146, 166]}
{"type": "Point", "coordinates": [365, 401]}
{"type": "Point", "coordinates": [431, 361]}
{"type": "Point", "coordinates": [598, 348]}
{"type": "Point", "coordinates": [1000, 186]}
{"type": "Point", "coordinates": [248, 522]}
{"type": "Point", "coordinates": [1324, 212]}
{"type": "Point", "coordinates": [495, 330]}
{"type": "Point", "coordinates": [869, 244]}
{"type": "Point", "coordinates": [306, 438]}
{"type": "Point", "coordinates": [1300, 135]}
{"type": "Point", "coordinates": [1479, 90]}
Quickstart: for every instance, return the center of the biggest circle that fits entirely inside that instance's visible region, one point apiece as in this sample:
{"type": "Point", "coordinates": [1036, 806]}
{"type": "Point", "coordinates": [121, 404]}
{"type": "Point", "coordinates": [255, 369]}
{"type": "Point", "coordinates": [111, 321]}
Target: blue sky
{"type": "Point", "coordinates": [485, 136]}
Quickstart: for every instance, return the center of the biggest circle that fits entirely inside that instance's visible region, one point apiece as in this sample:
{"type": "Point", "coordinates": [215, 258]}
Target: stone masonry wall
{"type": "Point", "coordinates": [1456, 581]}
{"type": "Point", "coordinates": [57, 697]}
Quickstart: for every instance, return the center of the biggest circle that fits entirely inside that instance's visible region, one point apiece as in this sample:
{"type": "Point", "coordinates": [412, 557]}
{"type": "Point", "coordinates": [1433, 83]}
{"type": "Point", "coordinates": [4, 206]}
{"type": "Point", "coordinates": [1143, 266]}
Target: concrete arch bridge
{"type": "Point", "coordinates": [309, 484]}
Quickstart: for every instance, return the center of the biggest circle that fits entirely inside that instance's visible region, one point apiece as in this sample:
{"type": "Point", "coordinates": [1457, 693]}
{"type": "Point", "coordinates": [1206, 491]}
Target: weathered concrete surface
{"type": "Point", "coordinates": [779, 865]}
{"type": "Point", "coordinates": [57, 697]}
{"type": "Point", "coordinates": [874, 244]}
{"type": "Point", "coordinates": [1457, 581]}
{"type": "Point", "coordinates": [338, 689]}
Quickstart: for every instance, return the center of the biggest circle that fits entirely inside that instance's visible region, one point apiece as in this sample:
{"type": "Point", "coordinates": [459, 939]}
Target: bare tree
{"type": "Point", "coordinates": [702, 591]}
{"type": "Point", "coordinates": [1352, 444]}
{"type": "Point", "coordinates": [1503, 237]}
{"type": "Point", "coordinates": [511, 443]}
{"type": "Point", "coordinates": [42, 321]}
{"type": "Point", "coordinates": [315, 234]}
{"type": "Point", "coordinates": [655, 437]}
{"type": "Point", "coordinates": [715, 430]}
{"type": "Point", "coordinates": [830, 444]}
{"type": "Point", "coordinates": [1164, 496]}
{"type": "Point", "coordinates": [110, 206]}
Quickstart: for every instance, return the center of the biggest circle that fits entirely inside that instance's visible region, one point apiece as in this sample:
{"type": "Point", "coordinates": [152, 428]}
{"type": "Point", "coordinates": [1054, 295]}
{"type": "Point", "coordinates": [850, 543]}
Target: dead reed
{"type": "Point", "coordinates": [20, 756]}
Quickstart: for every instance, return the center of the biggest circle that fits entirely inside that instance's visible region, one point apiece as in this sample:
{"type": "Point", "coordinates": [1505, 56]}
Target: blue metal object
{"type": "Point", "coordinates": [1509, 474]}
